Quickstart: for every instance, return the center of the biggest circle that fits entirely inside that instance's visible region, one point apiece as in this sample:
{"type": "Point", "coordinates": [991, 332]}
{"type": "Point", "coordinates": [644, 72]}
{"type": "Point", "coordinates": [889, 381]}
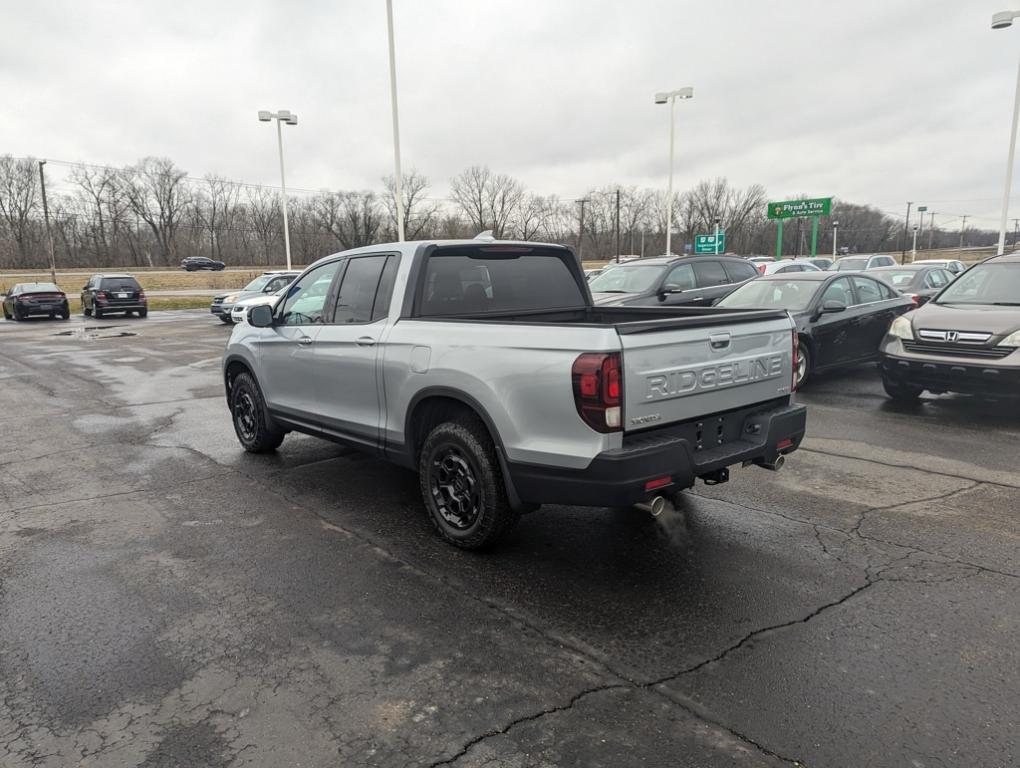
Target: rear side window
{"type": "Point", "coordinates": [120, 284]}
{"type": "Point", "coordinates": [739, 271]}
{"type": "Point", "coordinates": [710, 273]}
{"type": "Point", "coordinates": [883, 261]}
{"type": "Point", "coordinates": [938, 278]}
{"type": "Point", "coordinates": [868, 290]}
{"type": "Point", "coordinates": [358, 289]}
{"type": "Point", "coordinates": [482, 279]}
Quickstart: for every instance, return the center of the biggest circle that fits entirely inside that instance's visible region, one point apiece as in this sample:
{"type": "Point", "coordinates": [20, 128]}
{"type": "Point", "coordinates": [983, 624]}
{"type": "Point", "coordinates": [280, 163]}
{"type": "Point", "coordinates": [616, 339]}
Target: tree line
{"type": "Point", "coordinates": [152, 213]}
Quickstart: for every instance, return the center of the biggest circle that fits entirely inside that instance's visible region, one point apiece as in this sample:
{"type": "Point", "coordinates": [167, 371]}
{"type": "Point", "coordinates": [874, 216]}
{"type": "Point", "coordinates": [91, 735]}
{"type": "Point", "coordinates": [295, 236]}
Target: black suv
{"type": "Point", "coordinates": [671, 281]}
{"type": "Point", "coordinates": [104, 294]}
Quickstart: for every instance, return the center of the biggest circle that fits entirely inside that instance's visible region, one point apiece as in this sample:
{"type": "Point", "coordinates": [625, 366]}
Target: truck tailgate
{"type": "Point", "coordinates": [682, 373]}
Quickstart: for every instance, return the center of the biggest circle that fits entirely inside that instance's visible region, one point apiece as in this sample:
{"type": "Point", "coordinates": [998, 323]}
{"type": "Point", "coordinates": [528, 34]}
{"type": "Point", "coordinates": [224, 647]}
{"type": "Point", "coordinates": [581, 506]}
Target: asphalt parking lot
{"type": "Point", "coordinates": [168, 600]}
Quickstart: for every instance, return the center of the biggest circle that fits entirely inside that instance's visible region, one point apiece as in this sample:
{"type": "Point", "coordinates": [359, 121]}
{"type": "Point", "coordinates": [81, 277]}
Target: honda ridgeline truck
{"type": "Point", "coordinates": [484, 366]}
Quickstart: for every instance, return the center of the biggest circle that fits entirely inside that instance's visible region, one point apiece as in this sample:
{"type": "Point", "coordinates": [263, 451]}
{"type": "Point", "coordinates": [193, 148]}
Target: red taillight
{"type": "Point", "coordinates": [916, 298]}
{"type": "Point", "coordinates": [598, 390]}
{"type": "Point", "coordinates": [782, 445]}
{"type": "Point", "coordinates": [796, 360]}
{"type": "Point", "coordinates": [659, 482]}
{"type": "Point", "coordinates": [101, 295]}
{"type": "Point", "coordinates": [141, 294]}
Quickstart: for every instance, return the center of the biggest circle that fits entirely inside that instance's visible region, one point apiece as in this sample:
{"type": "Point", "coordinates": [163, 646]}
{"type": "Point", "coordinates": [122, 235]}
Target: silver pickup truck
{"type": "Point", "coordinates": [484, 366]}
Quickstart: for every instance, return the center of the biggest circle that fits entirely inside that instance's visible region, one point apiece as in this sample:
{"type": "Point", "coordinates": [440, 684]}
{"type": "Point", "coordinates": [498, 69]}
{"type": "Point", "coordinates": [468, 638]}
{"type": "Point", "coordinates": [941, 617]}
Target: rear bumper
{"type": "Point", "coordinates": [121, 307]}
{"type": "Point", "coordinates": [52, 309]}
{"type": "Point", "coordinates": [618, 477]}
{"type": "Point", "coordinates": [936, 375]}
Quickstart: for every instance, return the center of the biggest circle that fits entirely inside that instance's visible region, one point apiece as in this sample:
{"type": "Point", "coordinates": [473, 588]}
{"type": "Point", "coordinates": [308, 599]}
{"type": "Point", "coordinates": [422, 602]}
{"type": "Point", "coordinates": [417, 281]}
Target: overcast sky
{"type": "Point", "coordinates": [873, 101]}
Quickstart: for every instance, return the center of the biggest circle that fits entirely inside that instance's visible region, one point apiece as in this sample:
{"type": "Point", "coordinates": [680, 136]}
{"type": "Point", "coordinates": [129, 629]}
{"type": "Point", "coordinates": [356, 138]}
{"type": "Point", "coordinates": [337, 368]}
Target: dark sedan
{"type": "Point", "coordinates": [841, 319]}
{"type": "Point", "coordinates": [196, 263]}
{"type": "Point", "coordinates": [670, 281]}
{"type": "Point", "coordinates": [27, 299]}
{"type": "Point", "coordinates": [918, 281]}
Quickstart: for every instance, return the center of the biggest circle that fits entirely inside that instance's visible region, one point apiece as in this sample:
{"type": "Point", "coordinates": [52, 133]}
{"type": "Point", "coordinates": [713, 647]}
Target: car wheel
{"type": "Point", "coordinates": [97, 313]}
{"type": "Point", "coordinates": [226, 319]}
{"type": "Point", "coordinates": [804, 362]}
{"type": "Point", "coordinates": [7, 315]}
{"type": "Point", "coordinates": [65, 315]}
{"type": "Point", "coordinates": [17, 314]}
{"type": "Point", "coordinates": [255, 428]}
{"type": "Point", "coordinates": [85, 310]}
{"type": "Point", "coordinates": [143, 312]}
{"type": "Point", "coordinates": [462, 486]}
{"type": "Point", "coordinates": [901, 393]}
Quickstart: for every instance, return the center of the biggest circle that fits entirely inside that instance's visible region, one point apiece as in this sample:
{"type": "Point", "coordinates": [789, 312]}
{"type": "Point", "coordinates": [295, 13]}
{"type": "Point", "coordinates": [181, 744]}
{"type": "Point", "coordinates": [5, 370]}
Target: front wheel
{"type": "Point", "coordinates": [226, 320]}
{"type": "Point", "coordinates": [901, 393]}
{"type": "Point", "coordinates": [462, 486]}
{"type": "Point", "coordinates": [255, 428]}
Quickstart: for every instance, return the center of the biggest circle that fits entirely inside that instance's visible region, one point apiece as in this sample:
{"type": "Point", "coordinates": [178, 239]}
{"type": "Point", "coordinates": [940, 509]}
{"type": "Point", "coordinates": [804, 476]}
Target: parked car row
{"type": "Point", "coordinates": [265, 285]}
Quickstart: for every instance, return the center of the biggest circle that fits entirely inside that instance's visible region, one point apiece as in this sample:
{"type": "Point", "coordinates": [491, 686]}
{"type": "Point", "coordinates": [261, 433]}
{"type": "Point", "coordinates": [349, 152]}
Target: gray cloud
{"type": "Point", "coordinates": [871, 101]}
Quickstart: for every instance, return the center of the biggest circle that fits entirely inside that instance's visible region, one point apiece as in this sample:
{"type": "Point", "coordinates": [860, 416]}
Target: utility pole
{"type": "Point", "coordinates": [580, 231]}
{"type": "Point", "coordinates": [903, 240]}
{"type": "Point", "coordinates": [931, 227]}
{"type": "Point", "coordinates": [835, 232]}
{"type": "Point", "coordinates": [46, 216]}
{"type": "Point", "coordinates": [913, 250]}
{"type": "Point", "coordinates": [716, 233]}
{"type": "Point", "coordinates": [1016, 230]}
{"type": "Point", "coordinates": [963, 228]}
{"type": "Point", "coordinates": [642, 243]}
{"type": "Point", "coordinates": [617, 225]}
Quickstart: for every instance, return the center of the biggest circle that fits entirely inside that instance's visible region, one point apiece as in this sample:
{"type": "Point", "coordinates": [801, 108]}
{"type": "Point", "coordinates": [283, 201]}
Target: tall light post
{"type": "Point", "coordinates": [913, 249]}
{"type": "Point", "coordinates": [835, 230]}
{"type": "Point", "coordinates": [399, 178]}
{"type": "Point", "coordinates": [716, 233]}
{"type": "Point", "coordinates": [1001, 20]}
{"type": "Point", "coordinates": [281, 117]}
{"type": "Point", "coordinates": [46, 216]}
{"type": "Point", "coordinates": [670, 97]}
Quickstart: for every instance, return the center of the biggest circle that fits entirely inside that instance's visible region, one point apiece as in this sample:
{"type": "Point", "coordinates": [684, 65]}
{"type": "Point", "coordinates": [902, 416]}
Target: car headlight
{"type": "Point", "coordinates": [1013, 340]}
{"type": "Point", "coordinates": [901, 328]}
{"type": "Point", "coordinates": [230, 299]}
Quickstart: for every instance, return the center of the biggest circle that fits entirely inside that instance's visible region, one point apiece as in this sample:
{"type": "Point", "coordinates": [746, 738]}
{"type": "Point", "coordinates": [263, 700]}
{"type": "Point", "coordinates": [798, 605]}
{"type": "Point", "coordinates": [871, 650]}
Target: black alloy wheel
{"type": "Point", "coordinates": [454, 486]}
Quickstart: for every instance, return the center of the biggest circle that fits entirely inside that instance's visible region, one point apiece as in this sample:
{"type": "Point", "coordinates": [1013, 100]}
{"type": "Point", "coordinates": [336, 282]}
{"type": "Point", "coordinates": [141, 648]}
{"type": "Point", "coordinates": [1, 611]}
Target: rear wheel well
{"type": "Point", "coordinates": [433, 411]}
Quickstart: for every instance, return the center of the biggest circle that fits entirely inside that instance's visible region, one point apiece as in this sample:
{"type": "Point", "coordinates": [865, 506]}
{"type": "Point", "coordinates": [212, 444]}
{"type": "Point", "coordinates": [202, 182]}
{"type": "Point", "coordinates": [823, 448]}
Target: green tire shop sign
{"type": "Point", "coordinates": [798, 209]}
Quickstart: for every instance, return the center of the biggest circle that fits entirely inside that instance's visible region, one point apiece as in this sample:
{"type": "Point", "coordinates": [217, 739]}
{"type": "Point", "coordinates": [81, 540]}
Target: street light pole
{"type": "Point", "coordinates": [1002, 20]}
{"type": "Point", "coordinates": [46, 216]}
{"type": "Point", "coordinates": [670, 98]}
{"type": "Point", "coordinates": [835, 229]}
{"type": "Point", "coordinates": [399, 178]}
{"type": "Point", "coordinates": [281, 117]}
{"type": "Point", "coordinates": [913, 249]}
{"type": "Point", "coordinates": [931, 227]}
{"type": "Point", "coordinates": [716, 233]}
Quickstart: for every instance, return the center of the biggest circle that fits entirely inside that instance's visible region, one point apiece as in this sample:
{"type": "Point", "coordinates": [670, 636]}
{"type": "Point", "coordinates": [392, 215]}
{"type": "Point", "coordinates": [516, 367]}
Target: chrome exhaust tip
{"type": "Point", "coordinates": [776, 465]}
{"type": "Point", "coordinates": [654, 506]}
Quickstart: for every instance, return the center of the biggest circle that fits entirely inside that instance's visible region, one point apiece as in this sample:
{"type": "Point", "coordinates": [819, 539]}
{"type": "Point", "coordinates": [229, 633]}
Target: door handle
{"type": "Point", "coordinates": [304, 341]}
{"type": "Point", "coordinates": [365, 341]}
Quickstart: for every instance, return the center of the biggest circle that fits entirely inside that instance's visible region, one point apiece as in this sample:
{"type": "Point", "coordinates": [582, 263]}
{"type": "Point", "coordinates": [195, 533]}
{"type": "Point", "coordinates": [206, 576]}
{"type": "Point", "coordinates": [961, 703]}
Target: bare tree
{"type": "Point", "coordinates": [353, 218]}
{"type": "Point", "coordinates": [158, 193]}
{"type": "Point", "coordinates": [215, 204]}
{"type": "Point", "coordinates": [490, 201]}
{"type": "Point", "coordinates": [19, 198]}
{"type": "Point", "coordinates": [265, 220]}
{"type": "Point", "coordinates": [533, 216]}
{"type": "Point", "coordinates": [420, 213]}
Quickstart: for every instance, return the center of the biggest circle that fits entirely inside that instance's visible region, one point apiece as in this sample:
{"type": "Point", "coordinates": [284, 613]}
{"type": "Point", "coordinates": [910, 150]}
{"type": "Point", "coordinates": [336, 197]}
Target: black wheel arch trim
{"type": "Point", "coordinates": [408, 451]}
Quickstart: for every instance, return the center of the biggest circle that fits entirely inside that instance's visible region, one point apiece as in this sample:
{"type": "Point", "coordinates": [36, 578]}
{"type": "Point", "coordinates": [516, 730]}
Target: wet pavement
{"type": "Point", "coordinates": [168, 600]}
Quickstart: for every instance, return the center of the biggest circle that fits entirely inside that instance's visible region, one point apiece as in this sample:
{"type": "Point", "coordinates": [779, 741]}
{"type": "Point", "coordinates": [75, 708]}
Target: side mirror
{"type": "Point", "coordinates": [832, 306]}
{"type": "Point", "coordinates": [260, 316]}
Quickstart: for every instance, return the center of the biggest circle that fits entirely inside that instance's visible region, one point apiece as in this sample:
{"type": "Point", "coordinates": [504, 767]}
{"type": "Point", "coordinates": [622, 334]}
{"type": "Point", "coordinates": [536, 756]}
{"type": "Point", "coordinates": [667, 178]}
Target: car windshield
{"type": "Point", "coordinates": [258, 283]}
{"type": "Point", "coordinates": [844, 265]}
{"type": "Point", "coordinates": [985, 284]}
{"type": "Point", "coordinates": [630, 278]}
{"type": "Point", "coordinates": [899, 279]}
{"type": "Point", "coordinates": [794, 295]}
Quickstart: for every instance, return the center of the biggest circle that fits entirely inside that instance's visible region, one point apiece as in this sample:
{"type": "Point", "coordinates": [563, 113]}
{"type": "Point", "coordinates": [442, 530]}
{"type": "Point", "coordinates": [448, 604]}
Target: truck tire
{"type": "Point", "coordinates": [462, 486]}
{"type": "Point", "coordinates": [901, 393]}
{"type": "Point", "coordinates": [255, 428]}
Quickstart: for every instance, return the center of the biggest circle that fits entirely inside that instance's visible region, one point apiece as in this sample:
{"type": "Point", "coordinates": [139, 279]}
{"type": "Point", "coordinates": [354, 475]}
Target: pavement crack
{"type": "Point", "coordinates": [467, 747]}
{"type": "Point", "coordinates": [900, 465]}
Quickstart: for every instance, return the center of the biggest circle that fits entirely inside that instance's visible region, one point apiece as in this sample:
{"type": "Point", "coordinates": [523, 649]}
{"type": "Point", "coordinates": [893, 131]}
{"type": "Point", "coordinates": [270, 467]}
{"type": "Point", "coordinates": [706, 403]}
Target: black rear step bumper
{"type": "Point", "coordinates": [618, 477]}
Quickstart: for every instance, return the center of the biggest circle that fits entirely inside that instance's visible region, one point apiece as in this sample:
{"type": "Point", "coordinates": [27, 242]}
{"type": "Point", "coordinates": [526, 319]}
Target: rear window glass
{"type": "Point", "coordinates": [120, 284]}
{"type": "Point", "coordinates": [844, 265]}
{"type": "Point", "coordinates": [899, 279]}
{"type": "Point", "coordinates": [40, 288]}
{"type": "Point", "coordinates": [484, 279]}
